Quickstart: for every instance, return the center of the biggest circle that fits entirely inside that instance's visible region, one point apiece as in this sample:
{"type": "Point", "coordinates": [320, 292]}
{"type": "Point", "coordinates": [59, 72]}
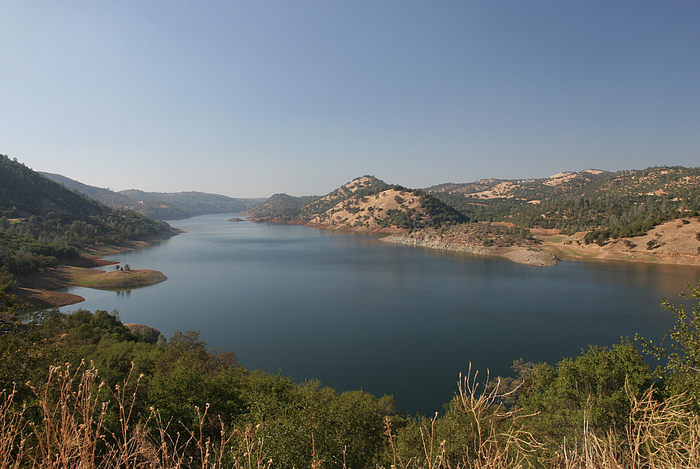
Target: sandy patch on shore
{"type": "Point", "coordinates": [673, 242]}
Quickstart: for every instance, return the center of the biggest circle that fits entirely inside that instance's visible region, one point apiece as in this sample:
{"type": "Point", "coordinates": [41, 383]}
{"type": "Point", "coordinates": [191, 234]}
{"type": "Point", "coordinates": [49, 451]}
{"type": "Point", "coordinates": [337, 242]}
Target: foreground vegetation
{"type": "Point", "coordinates": [83, 390]}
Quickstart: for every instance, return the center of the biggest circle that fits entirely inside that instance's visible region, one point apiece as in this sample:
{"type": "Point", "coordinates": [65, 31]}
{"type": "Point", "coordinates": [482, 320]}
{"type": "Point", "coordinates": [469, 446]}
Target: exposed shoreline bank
{"type": "Point", "coordinates": [676, 242]}
{"type": "Point", "coordinates": [42, 290]}
{"type": "Point", "coordinates": [329, 227]}
{"type": "Point", "coordinates": [519, 254]}
{"type": "Point", "coordinates": [675, 239]}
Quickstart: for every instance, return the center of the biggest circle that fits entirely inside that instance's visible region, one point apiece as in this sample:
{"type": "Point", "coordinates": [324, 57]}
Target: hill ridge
{"type": "Point", "coordinates": [159, 205]}
{"type": "Point", "coordinates": [364, 203]}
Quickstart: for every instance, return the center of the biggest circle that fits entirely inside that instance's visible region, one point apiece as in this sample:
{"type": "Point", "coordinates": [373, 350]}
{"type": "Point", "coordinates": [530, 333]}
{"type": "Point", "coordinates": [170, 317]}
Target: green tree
{"type": "Point", "coordinates": [679, 349]}
{"type": "Point", "coordinates": [593, 385]}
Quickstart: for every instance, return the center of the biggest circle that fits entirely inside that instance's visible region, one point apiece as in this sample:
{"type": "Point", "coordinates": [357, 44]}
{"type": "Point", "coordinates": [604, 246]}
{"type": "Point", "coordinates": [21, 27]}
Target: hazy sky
{"type": "Point", "coordinates": [252, 98]}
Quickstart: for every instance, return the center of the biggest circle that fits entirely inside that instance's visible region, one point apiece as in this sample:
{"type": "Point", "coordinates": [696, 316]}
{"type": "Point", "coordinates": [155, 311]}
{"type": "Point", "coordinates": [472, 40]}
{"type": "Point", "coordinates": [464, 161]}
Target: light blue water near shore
{"type": "Point", "coordinates": [358, 313]}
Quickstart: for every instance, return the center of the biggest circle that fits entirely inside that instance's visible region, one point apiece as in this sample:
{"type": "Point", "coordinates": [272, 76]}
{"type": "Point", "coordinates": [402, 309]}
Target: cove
{"type": "Point", "coordinates": [357, 313]}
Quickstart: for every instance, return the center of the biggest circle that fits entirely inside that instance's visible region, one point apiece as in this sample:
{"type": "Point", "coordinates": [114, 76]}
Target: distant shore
{"type": "Point", "coordinates": [327, 226]}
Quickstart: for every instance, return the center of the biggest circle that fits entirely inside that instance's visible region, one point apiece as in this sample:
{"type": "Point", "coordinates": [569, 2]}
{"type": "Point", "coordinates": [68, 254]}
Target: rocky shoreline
{"type": "Point", "coordinates": [520, 254]}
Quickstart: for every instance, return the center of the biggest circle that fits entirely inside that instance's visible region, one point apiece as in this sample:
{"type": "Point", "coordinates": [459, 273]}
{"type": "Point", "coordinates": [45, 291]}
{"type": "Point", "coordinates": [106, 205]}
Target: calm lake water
{"type": "Point", "coordinates": [357, 313]}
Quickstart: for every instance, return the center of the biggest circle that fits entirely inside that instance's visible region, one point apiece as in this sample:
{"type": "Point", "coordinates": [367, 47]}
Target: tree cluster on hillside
{"type": "Point", "coordinates": [629, 204]}
{"type": "Point", "coordinates": [604, 408]}
{"type": "Point", "coordinates": [280, 207]}
{"type": "Point", "coordinates": [41, 221]}
{"type": "Point", "coordinates": [366, 185]}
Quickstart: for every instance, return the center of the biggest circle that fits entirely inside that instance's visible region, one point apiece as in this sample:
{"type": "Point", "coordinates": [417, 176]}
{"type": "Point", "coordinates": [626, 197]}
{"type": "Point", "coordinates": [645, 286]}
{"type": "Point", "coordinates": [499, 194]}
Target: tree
{"type": "Point", "coordinates": [679, 349]}
{"type": "Point", "coordinates": [596, 384]}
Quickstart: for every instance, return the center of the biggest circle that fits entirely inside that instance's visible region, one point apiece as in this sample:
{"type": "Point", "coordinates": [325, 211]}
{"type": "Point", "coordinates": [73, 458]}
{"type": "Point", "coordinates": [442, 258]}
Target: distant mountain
{"type": "Point", "coordinates": [106, 196]}
{"type": "Point", "coordinates": [365, 203]}
{"type": "Point", "coordinates": [41, 220]}
{"type": "Point", "coordinates": [560, 184]}
{"type": "Point", "coordinates": [613, 204]}
{"type": "Point", "coordinates": [159, 205]}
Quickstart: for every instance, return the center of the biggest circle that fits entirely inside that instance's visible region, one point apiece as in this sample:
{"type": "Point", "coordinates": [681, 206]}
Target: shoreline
{"type": "Point", "coordinates": [552, 247]}
{"type": "Point", "coordinates": [42, 290]}
{"type": "Point", "coordinates": [329, 227]}
{"type": "Point", "coordinates": [518, 254]}
{"type": "Point", "coordinates": [584, 254]}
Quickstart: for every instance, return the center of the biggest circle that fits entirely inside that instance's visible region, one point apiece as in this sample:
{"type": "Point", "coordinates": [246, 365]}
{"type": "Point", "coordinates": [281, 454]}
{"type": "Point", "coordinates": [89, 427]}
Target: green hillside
{"type": "Point", "coordinates": [281, 207]}
{"type": "Point", "coordinates": [41, 220]}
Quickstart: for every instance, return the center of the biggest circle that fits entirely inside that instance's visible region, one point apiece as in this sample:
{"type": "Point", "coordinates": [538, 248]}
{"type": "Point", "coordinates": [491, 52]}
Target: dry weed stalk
{"type": "Point", "coordinates": [501, 440]}
{"type": "Point", "coordinates": [434, 456]}
{"type": "Point", "coordinates": [71, 431]}
{"type": "Point", "coordinates": [12, 429]}
{"type": "Point", "coordinates": [659, 435]}
{"type": "Point", "coordinates": [72, 419]}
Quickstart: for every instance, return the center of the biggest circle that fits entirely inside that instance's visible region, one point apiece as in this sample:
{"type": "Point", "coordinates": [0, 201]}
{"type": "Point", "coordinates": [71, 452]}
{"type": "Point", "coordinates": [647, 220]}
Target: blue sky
{"type": "Point", "coordinates": [251, 98]}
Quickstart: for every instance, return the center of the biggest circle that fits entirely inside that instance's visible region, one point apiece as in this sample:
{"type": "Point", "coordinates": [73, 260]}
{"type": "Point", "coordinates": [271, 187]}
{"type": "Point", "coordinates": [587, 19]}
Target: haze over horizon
{"type": "Point", "coordinates": [254, 98]}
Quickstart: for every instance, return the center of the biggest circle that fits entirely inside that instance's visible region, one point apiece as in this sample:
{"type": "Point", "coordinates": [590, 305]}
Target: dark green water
{"type": "Point", "coordinates": [358, 313]}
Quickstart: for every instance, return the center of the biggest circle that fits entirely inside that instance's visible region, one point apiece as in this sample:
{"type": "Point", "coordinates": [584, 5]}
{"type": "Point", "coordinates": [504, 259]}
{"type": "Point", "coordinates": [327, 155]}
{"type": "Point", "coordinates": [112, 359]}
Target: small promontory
{"type": "Point", "coordinates": [115, 279]}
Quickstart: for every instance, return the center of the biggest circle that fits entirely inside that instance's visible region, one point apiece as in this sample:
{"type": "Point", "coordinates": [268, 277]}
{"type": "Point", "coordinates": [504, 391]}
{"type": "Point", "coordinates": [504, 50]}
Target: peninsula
{"type": "Point", "coordinates": [51, 237]}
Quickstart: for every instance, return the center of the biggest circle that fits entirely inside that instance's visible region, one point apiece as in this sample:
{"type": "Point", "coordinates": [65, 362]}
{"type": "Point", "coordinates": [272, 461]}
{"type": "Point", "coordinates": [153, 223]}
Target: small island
{"type": "Point", "coordinates": [235, 219]}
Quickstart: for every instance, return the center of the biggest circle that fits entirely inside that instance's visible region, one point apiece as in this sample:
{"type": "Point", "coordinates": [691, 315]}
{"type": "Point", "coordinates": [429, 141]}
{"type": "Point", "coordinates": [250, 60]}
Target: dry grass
{"type": "Point", "coordinates": [73, 405]}
{"type": "Point", "coordinates": [659, 435]}
{"type": "Point", "coordinates": [71, 431]}
{"type": "Point", "coordinates": [500, 438]}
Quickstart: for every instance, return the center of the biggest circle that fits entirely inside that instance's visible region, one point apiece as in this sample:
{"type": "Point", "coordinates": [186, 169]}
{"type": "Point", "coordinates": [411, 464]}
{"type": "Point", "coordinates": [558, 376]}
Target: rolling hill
{"type": "Point", "coordinates": [159, 205]}
{"type": "Point", "coordinates": [608, 204]}
{"type": "Point", "coordinates": [280, 207]}
{"type": "Point", "coordinates": [365, 204]}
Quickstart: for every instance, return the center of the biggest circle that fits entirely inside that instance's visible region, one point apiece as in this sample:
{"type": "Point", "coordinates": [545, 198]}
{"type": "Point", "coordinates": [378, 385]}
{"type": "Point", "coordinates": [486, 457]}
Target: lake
{"type": "Point", "coordinates": [357, 313]}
